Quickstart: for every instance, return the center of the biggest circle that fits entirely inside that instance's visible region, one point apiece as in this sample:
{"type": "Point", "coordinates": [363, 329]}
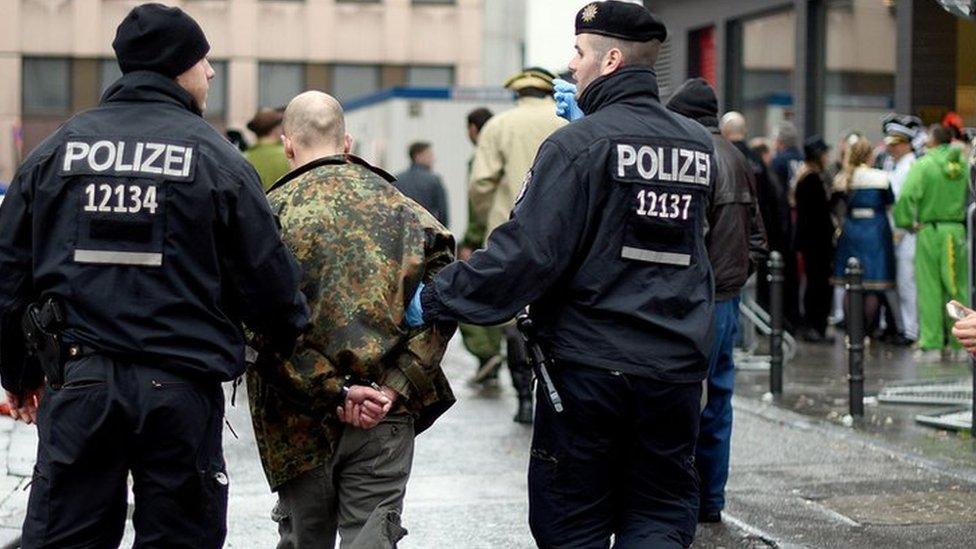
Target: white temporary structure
{"type": "Point", "coordinates": [384, 124]}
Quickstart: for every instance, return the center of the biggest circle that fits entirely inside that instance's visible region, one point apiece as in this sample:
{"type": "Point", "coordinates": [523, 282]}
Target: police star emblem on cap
{"type": "Point", "coordinates": [623, 20]}
{"type": "Point", "coordinates": [589, 13]}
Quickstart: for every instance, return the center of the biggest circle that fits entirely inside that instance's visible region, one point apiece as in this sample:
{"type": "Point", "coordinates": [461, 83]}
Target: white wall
{"type": "Point", "coordinates": [385, 130]}
{"type": "Point", "coordinates": [503, 40]}
{"type": "Point", "coordinates": [549, 35]}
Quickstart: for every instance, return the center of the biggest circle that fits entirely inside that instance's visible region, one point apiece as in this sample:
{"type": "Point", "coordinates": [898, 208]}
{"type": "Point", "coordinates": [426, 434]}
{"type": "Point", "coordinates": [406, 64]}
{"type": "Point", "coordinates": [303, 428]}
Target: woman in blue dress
{"type": "Point", "coordinates": [866, 232]}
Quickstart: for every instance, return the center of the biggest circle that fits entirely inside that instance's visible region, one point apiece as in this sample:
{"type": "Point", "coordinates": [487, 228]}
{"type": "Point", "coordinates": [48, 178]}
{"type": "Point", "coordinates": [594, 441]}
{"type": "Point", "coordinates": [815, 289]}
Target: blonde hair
{"type": "Point", "coordinates": [858, 154]}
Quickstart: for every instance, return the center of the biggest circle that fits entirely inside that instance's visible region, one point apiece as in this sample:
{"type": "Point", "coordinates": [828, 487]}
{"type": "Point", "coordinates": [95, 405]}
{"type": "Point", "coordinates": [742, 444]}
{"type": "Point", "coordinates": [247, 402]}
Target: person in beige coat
{"type": "Point", "coordinates": [507, 145]}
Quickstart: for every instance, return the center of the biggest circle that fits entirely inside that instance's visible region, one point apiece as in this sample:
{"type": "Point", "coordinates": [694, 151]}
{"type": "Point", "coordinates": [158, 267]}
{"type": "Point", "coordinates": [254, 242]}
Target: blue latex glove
{"type": "Point", "coordinates": [565, 95]}
{"type": "Point", "coordinates": [415, 312]}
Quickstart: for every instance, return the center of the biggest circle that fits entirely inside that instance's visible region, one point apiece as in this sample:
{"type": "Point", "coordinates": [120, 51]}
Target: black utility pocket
{"type": "Point", "coordinates": [662, 223]}
{"type": "Point", "coordinates": [394, 528]}
{"type": "Point", "coordinates": [214, 486]}
{"type": "Point", "coordinates": [85, 372]}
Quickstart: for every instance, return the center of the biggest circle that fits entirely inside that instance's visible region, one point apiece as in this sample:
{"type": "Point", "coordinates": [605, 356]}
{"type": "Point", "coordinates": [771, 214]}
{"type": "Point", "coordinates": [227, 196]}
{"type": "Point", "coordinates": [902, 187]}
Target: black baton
{"type": "Point", "coordinates": [539, 360]}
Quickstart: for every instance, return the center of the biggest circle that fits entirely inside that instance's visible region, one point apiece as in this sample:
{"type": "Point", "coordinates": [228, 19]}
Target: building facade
{"type": "Point", "coordinates": [56, 56]}
{"type": "Point", "coordinates": [831, 66]}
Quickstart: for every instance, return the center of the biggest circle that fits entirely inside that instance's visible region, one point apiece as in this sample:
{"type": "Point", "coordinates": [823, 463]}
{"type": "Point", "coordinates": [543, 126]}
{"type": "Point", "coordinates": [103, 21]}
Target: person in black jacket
{"type": "Point", "coordinates": [421, 184]}
{"type": "Point", "coordinates": [153, 234]}
{"type": "Point", "coordinates": [736, 243]}
{"type": "Point", "coordinates": [773, 202]}
{"type": "Point", "coordinates": [815, 240]}
{"type": "Point", "coordinates": [607, 245]}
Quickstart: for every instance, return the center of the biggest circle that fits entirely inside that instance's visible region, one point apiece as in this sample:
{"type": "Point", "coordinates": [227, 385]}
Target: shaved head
{"type": "Point", "coordinates": [314, 120]}
{"type": "Point", "coordinates": [733, 126]}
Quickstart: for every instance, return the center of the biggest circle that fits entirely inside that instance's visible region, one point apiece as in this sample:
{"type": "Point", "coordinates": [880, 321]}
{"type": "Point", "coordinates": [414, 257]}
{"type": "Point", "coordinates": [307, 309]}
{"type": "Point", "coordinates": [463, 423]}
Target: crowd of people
{"type": "Point", "coordinates": [898, 206]}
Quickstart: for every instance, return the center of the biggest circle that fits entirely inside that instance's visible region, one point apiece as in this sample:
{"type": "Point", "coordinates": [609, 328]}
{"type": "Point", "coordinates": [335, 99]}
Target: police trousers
{"type": "Point", "coordinates": [619, 460]}
{"type": "Point", "coordinates": [113, 418]}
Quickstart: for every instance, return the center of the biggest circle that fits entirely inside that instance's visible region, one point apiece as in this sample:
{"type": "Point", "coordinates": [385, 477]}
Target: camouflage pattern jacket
{"type": "Point", "coordinates": [364, 249]}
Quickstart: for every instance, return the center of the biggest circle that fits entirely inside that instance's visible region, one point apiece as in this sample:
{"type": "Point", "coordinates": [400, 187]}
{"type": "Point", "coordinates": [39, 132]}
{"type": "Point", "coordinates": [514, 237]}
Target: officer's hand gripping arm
{"type": "Point", "coordinates": [415, 311]}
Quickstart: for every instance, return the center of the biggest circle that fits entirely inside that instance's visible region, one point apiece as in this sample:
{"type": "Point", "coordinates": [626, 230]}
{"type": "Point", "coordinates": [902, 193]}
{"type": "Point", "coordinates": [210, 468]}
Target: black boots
{"type": "Point", "coordinates": [524, 414]}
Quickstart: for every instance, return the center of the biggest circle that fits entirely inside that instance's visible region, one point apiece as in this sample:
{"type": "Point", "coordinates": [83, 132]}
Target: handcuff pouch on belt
{"type": "Point", "coordinates": [42, 324]}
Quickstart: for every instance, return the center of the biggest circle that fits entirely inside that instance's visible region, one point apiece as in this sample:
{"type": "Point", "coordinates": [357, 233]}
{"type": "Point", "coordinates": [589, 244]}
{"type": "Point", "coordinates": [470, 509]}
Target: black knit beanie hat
{"type": "Point", "coordinates": [696, 100]}
{"type": "Point", "coordinates": [158, 38]}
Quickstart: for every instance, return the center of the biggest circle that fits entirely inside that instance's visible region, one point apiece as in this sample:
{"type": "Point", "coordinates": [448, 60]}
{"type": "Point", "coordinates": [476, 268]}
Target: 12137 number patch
{"type": "Point", "coordinates": [664, 205]}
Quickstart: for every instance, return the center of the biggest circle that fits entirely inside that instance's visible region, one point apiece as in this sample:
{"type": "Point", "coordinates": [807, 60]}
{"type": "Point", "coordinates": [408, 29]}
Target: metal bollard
{"type": "Point", "coordinates": [855, 336]}
{"type": "Point", "coordinates": [775, 278]}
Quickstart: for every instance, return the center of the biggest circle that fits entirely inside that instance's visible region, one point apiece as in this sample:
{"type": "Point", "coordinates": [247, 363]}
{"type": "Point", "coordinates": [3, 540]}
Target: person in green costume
{"type": "Point", "coordinates": [933, 204]}
{"type": "Point", "coordinates": [267, 155]}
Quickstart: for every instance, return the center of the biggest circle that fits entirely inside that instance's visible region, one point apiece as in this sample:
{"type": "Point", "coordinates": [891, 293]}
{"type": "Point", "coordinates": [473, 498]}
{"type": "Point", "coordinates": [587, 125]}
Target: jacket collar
{"type": "Point", "coordinates": [626, 83]}
{"type": "Point", "coordinates": [334, 160]}
{"type": "Point", "coordinates": [148, 86]}
{"type": "Point", "coordinates": [535, 101]}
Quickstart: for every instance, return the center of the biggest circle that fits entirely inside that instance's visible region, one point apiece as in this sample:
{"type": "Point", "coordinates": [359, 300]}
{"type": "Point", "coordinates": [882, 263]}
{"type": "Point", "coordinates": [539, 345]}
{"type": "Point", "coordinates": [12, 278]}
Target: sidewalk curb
{"type": "Point", "coordinates": [796, 421]}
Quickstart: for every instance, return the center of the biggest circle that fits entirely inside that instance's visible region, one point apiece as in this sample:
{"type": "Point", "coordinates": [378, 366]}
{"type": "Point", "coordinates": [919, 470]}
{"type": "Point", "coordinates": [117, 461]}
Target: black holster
{"type": "Point", "coordinates": [42, 324]}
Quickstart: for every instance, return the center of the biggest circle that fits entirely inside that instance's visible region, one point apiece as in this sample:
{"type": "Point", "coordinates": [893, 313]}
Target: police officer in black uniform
{"type": "Point", "coordinates": [147, 239]}
{"type": "Point", "coordinates": [607, 245]}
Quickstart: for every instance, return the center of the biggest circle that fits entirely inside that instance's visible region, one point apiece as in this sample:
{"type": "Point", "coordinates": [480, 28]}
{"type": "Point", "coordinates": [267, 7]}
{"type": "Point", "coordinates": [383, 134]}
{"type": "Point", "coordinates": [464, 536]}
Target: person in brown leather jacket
{"type": "Point", "coordinates": [736, 242]}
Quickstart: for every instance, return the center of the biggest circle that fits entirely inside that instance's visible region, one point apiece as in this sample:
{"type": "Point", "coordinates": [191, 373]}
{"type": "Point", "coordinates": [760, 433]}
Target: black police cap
{"type": "Point", "coordinates": [621, 20]}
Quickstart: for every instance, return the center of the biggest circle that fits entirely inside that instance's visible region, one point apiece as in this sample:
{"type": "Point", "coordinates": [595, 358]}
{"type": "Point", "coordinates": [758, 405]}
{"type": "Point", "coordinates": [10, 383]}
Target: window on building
{"type": "Point", "coordinates": [46, 86]}
{"type": "Point", "coordinates": [761, 56]}
{"type": "Point", "coordinates": [701, 54]}
{"type": "Point", "coordinates": [278, 83]}
{"type": "Point", "coordinates": [352, 81]}
{"type": "Point", "coordinates": [859, 88]}
{"type": "Point", "coordinates": [109, 72]}
{"type": "Point", "coordinates": [430, 76]}
{"type": "Point", "coordinates": [664, 69]}
{"type": "Point", "coordinates": [217, 96]}
{"type": "Point", "coordinates": [966, 71]}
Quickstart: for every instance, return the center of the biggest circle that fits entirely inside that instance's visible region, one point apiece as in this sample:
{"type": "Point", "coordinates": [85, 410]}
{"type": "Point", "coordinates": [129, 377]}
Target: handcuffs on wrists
{"type": "Point", "coordinates": [350, 381]}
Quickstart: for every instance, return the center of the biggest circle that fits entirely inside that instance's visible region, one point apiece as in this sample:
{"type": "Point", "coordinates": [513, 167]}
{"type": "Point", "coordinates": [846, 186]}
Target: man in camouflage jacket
{"type": "Point", "coordinates": [336, 458]}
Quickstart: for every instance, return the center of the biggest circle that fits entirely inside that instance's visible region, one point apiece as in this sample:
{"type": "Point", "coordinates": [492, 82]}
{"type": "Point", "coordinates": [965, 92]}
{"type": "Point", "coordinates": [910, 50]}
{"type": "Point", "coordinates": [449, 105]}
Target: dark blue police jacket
{"type": "Point", "coordinates": [153, 231]}
{"type": "Point", "coordinates": [606, 242]}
